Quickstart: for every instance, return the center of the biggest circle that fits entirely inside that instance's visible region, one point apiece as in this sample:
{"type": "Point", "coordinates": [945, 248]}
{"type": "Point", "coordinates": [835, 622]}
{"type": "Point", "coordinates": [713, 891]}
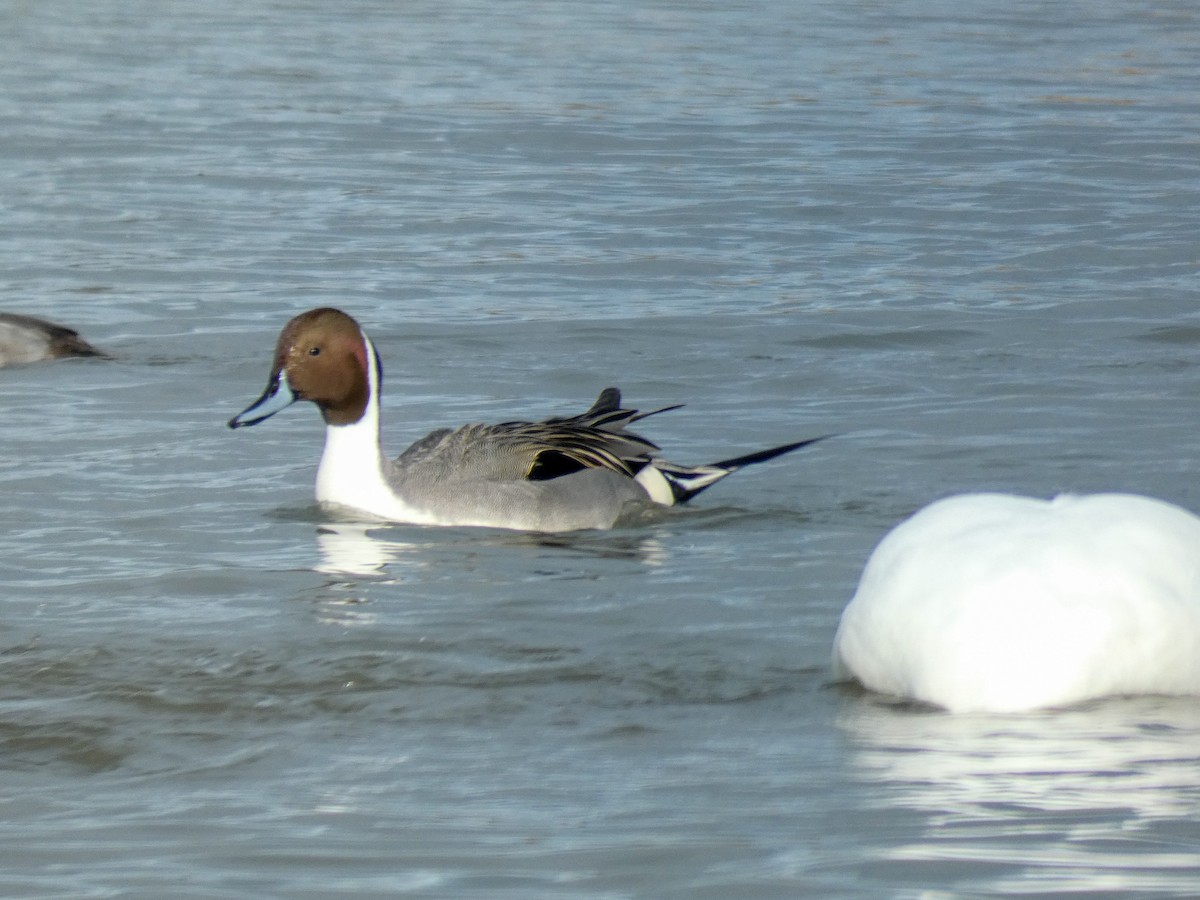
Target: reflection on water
{"type": "Point", "coordinates": [348, 548]}
{"type": "Point", "coordinates": [360, 557]}
{"type": "Point", "coordinates": [1076, 800]}
{"type": "Point", "coordinates": [367, 550]}
{"type": "Point", "coordinates": [645, 549]}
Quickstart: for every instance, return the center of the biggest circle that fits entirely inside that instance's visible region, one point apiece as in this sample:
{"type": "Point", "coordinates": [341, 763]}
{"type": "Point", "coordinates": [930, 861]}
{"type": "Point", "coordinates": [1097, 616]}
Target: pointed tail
{"type": "Point", "coordinates": [669, 484]}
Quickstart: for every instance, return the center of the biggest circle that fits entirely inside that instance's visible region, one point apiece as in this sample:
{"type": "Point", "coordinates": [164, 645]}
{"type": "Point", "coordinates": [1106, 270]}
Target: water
{"type": "Point", "coordinates": [961, 236]}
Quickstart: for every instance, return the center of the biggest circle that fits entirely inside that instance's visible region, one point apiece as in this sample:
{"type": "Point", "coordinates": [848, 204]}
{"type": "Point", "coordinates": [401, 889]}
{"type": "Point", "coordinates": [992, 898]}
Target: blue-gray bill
{"type": "Point", "coordinates": [278, 395]}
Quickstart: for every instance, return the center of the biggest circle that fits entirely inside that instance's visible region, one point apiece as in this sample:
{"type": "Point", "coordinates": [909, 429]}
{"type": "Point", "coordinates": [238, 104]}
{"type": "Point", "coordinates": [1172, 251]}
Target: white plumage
{"type": "Point", "coordinates": [991, 602]}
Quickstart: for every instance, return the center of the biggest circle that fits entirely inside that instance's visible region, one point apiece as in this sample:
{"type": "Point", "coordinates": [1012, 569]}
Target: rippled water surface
{"type": "Point", "coordinates": [962, 236]}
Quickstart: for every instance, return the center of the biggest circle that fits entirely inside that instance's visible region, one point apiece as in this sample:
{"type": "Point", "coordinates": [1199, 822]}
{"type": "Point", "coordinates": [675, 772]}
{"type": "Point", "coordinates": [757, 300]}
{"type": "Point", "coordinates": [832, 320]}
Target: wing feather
{"type": "Point", "coordinates": [539, 451]}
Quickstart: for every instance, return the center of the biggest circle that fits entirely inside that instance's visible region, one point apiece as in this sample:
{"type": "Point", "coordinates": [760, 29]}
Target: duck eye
{"type": "Point", "coordinates": [314, 351]}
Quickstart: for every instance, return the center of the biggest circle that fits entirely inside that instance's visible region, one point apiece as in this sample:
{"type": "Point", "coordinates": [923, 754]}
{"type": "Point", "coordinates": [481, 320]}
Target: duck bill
{"type": "Point", "coordinates": [278, 395]}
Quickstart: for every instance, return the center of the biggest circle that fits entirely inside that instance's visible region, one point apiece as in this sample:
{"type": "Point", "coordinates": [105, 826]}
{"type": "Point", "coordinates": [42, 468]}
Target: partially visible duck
{"type": "Point", "coordinates": [561, 474]}
{"type": "Point", "coordinates": [27, 339]}
{"type": "Point", "coordinates": [997, 603]}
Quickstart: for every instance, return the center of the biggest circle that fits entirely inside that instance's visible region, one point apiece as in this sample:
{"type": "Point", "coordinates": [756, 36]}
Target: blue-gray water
{"type": "Point", "coordinates": [962, 235]}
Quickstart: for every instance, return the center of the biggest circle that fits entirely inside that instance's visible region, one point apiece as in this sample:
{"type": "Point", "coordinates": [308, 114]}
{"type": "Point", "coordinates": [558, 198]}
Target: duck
{"type": "Point", "coordinates": [565, 473]}
{"type": "Point", "coordinates": [28, 339]}
{"type": "Point", "coordinates": [996, 603]}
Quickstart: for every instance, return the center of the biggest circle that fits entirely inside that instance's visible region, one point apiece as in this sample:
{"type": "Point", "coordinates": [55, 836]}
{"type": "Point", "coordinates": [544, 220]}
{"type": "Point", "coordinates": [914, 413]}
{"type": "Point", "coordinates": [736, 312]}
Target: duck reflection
{"type": "Point", "coordinates": [349, 548]}
{"type": "Point", "coordinates": [374, 550]}
{"type": "Point", "coordinates": [364, 561]}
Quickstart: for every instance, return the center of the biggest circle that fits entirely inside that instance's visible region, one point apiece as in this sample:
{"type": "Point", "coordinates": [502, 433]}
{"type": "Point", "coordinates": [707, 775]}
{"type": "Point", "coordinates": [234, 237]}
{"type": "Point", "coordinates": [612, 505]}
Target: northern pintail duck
{"type": "Point", "coordinates": [997, 603]}
{"type": "Point", "coordinates": [561, 474]}
{"type": "Point", "coordinates": [27, 339]}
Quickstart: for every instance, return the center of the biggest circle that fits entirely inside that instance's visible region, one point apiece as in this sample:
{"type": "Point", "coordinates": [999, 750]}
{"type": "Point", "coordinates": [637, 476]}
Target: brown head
{"type": "Point", "coordinates": [321, 356]}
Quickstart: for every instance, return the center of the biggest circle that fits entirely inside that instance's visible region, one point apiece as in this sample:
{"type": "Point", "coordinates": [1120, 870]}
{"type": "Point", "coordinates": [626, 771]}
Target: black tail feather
{"type": "Point", "coordinates": [687, 482]}
{"type": "Point", "coordinates": [763, 455]}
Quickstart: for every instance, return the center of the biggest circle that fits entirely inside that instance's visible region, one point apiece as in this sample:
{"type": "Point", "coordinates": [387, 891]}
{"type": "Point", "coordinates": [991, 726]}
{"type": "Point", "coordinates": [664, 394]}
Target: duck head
{"type": "Point", "coordinates": [322, 356]}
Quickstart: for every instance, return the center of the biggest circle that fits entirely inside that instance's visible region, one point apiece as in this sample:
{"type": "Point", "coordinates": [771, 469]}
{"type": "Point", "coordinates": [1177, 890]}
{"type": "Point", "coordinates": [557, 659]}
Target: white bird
{"type": "Point", "coordinates": [998, 603]}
